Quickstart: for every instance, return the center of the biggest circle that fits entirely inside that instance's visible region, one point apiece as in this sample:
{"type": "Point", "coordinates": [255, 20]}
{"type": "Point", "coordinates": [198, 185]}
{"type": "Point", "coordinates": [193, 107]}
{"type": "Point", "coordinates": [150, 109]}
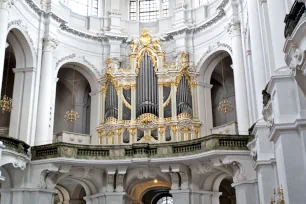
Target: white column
{"type": "Point", "coordinates": [4, 16]}
{"type": "Point", "coordinates": [277, 13]}
{"type": "Point", "coordinates": [20, 124]}
{"type": "Point", "coordinates": [204, 108]}
{"type": "Point", "coordinates": [239, 78]}
{"type": "Point", "coordinates": [265, 170]}
{"type": "Point", "coordinates": [246, 192]}
{"type": "Point", "coordinates": [95, 115]}
{"type": "Point", "coordinates": [27, 195]}
{"type": "Point", "coordinates": [45, 93]}
{"type": "Point", "coordinates": [291, 172]}
{"type": "Point", "coordinates": [257, 54]}
{"type": "Point", "coordinates": [52, 109]}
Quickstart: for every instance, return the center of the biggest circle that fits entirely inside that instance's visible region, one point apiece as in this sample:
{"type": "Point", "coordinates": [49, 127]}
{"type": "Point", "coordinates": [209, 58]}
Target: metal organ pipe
{"type": "Point", "coordinates": [147, 100]}
{"type": "Point", "coordinates": [111, 102]}
{"type": "Point", "coordinates": [184, 97]}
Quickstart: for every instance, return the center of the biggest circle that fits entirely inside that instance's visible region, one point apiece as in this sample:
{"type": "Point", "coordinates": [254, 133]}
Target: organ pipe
{"type": "Point", "coordinates": [184, 97]}
{"type": "Point", "coordinates": [147, 88]}
{"type": "Point", "coordinates": [111, 102]}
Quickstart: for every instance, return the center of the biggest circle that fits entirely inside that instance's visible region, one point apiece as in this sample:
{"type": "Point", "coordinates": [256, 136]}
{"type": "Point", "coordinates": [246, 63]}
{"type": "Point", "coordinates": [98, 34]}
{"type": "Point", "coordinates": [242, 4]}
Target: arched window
{"type": "Point", "coordinates": [83, 7]}
{"type": "Point", "coordinates": [165, 8]}
{"type": "Point", "coordinates": [165, 200]}
{"type": "Point", "coordinates": [148, 10]}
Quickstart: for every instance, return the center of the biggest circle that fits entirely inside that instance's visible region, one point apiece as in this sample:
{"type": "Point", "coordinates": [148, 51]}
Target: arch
{"type": "Point", "coordinates": [219, 179]}
{"type": "Point", "coordinates": [63, 193]}
{"type": "Point", "coordinates": [79, 65]}
{"type": "Point", "coordinates": [140, 175]}
{"type": "Point", "coordinates": [23, 49]}
{"type": "Point", "coordinates": [208, 63]}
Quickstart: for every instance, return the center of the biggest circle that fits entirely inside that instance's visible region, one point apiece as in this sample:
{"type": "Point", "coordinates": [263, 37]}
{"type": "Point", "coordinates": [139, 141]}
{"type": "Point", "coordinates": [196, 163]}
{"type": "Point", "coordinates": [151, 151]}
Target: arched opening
{"type": "Point", "coordinates": [69, 191]}
{"type": "Point", "coordinates": [18, 84]}
{"type": "Point", "coordinates": [72, 93]}
{"type": "Point", "coordinates": [223, 97]}
{"type": "Point", "coordinates": [228, 192]}
{"type": "Point", "coordinates": [7, 89]}
{"type": "Point", "coordinates": [157, 195]}
{"type": "Point", "coordinates": [147, 186]}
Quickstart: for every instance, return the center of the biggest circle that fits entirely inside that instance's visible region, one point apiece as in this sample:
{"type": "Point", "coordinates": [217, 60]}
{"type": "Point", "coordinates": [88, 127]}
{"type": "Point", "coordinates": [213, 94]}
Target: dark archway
{"type": "Point", "coordinates": [222, 80]}
{"type": "Point", "coordinates": [72, 92]}
{"type": "Point", "coordinates": [228, 193]}
{"type": "Point", "coordinates": [7, 88]}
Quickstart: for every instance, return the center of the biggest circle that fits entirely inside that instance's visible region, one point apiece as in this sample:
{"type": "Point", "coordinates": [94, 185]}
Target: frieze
{"type": "Point", "coordinates": [34, 7]}
{"type": "Point", "coordinates": [66, 28]}
{"type": "Point", "coordinates": [71, 56]}
{"type": "Point", "coordinates": [213, 48]}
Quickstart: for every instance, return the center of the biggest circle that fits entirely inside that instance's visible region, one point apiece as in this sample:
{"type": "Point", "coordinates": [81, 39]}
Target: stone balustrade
{"type": "Point", "coordinates": [15, 145]}
{"type": "Point", "coordinates": [74, 138]}
{"type": "Point", "coordinates": [144, 150]}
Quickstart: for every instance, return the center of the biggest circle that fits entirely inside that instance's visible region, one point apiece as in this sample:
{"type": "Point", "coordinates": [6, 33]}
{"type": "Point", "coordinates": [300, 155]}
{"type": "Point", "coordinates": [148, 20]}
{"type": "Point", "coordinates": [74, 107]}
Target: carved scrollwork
{"type": "Point", "coordinates": [20, 163]}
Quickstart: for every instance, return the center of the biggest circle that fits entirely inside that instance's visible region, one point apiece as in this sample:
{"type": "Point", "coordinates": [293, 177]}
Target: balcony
{"type": "Point", "coordinates": [144, 150]}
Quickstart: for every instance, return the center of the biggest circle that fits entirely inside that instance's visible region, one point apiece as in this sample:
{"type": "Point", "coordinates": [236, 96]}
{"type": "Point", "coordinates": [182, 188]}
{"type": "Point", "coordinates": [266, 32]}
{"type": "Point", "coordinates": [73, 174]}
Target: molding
{"type": "Point", "coordinates": [234, 185]}
{"type": "Point", "coordinates": [4, 190]}
{"type": "Point", "coordinates": [264, 163]}
{"type": "Point", "coordinates": [27, 69]}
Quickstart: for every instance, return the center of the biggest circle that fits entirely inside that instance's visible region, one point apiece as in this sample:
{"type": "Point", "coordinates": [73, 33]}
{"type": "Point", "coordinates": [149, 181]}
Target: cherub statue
{"type": "Point", "coordinates": [134, 46]}
{"type": "Point", "coordinates": [156, 45]}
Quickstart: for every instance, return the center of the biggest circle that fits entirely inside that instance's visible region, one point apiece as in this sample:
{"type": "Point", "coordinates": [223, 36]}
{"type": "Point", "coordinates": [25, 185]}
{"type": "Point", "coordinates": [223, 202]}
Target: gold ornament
{"type": "Point", "coordinates": [145, 38]}
{"type": "Point", "coordinates": [71, 116]}
{"type": "Point", "coordinates": [161, 130]}
{"type": "Point", "coordinates": [225, 106]}
{"type": "Point", "coordinates": [6, 104]}
{"type": "Point", "coordinates": [278, 196]}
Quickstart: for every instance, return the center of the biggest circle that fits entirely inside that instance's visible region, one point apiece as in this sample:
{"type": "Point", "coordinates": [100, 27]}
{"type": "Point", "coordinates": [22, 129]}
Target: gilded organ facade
{"type": "Point", "coordinates": [150, 101]}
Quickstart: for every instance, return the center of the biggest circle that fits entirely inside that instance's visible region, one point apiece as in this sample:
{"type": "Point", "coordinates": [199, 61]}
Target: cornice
{"type": "Point", "coordinates": [221, 13]}
{"type": "Point", "coordinates": [101, 37]}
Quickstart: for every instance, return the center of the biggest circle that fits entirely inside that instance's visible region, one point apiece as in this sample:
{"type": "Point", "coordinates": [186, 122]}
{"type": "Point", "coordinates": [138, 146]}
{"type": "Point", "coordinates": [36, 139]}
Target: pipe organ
{"type": "Point", "coordinates": [150, 101]}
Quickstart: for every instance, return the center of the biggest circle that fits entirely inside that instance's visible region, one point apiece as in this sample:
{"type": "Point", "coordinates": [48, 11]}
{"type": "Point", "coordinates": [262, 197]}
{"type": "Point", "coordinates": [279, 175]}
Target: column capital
{"type": "Point", "coordinates": [50, 44]}
{"type": "Point", "coordinates": [234, 28]}
{"type": "Point", "coordinates": [6, 4]}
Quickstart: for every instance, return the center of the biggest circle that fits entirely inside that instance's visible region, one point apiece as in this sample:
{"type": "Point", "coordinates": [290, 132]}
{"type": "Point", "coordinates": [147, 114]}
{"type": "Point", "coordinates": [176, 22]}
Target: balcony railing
{"type": "Point", "coordinates": [173, 149]}
{"type": "Point", "coordinates": [15, 145]}
{"type": "Point", "coordinates": [293, 18]}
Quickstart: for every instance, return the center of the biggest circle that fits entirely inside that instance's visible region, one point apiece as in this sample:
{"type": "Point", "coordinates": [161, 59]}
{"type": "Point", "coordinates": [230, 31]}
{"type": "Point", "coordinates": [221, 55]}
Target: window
{"type": "Point", "coordinates": [165, 8]}
{"type": "Point", "coordinates": [133, 11]}
{"type": "Point", "coordinates": [94, 8]}
{"type": "Point", "coordinates": [148, 10]}
{"type": "Point", "coordinates": [165, 200]}
{"type": "Point", "coordinates": [83, 7]}
{"type": "Point", "coordinates": [201, 2]}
